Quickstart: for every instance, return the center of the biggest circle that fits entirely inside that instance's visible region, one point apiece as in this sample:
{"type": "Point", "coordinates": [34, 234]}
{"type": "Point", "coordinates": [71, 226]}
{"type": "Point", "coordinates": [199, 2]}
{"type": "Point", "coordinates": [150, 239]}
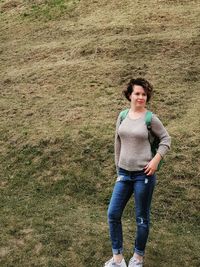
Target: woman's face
{"type": "Point", "coordinates": [138, 97]}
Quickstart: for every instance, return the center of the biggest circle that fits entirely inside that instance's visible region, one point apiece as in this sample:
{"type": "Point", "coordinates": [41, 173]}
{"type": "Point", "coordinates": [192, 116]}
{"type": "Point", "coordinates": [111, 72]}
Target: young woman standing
{"type": "Point", "coordinates": [136, 167]}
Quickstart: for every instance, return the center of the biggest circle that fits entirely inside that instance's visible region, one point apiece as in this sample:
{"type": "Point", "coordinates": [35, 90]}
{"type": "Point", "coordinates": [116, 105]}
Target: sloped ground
{"type": "Point", "coordinates": [63, 66]}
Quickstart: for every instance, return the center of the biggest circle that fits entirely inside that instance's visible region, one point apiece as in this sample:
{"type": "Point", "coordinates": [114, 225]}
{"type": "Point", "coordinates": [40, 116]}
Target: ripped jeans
{"type": "Point", "coordinates": [140, 185]}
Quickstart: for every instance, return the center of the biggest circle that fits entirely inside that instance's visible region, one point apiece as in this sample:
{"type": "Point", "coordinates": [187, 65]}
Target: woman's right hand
{"type": "Point", "coordinates": [152, 166]}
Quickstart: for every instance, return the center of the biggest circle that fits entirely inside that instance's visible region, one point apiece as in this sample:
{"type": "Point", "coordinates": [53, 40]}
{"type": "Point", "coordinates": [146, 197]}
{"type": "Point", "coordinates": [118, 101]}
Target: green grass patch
{"type": "Point", "coordinates": [49, 9]}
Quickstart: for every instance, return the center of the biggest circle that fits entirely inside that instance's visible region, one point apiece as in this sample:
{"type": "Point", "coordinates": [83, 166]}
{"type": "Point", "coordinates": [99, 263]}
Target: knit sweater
{"type": "Point", "coordinates": [132, 147]}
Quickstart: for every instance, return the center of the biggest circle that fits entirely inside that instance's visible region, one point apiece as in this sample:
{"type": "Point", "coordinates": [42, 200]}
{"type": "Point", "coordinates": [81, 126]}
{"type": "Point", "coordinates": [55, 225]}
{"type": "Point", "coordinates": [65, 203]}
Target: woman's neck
{"type": "Point", "coordinates": [136, 113]}
{"type": "Point", "coordinates": [138, 110]}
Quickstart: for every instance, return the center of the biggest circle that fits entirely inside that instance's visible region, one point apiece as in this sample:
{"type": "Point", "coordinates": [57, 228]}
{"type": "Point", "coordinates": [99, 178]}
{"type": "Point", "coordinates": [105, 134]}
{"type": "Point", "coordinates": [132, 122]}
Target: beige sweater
{"type": "Point", "coordinates": [132, 147]}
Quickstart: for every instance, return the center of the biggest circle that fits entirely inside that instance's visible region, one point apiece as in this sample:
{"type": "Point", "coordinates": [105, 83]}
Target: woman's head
{"type": "Point", "coordinates": [148, 88]}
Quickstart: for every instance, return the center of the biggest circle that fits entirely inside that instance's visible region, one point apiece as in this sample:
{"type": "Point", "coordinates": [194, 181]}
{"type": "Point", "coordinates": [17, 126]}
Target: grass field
{"type": "Point", "coordinates": [63, 67]}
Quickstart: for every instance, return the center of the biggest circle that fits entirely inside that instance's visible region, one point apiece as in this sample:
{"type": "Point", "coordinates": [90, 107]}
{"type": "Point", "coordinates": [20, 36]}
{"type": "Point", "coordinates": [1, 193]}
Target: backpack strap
{"type": "Point", "coordinates": [148, 118]}
{"type": "Point", "coordinates": [123, 114]}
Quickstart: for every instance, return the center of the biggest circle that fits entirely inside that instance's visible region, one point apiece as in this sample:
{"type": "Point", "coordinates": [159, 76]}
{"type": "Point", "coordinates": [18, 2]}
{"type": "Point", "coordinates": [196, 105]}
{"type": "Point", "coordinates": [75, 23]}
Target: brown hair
{"type": "Point", "coordinates": [148, 88]}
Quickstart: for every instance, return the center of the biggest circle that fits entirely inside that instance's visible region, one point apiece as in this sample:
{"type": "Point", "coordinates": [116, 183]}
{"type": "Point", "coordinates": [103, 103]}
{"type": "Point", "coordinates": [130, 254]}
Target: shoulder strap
{"type": "Point", "coordinates": [123, 114]}
{"type": "Point", "coordinates": [148, 118]}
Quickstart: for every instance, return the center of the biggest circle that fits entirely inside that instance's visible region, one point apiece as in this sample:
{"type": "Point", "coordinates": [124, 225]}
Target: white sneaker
{"type": "Point", "coordinates": [111, 263]}
{"type": "Point", "coordinates": [135, 263]}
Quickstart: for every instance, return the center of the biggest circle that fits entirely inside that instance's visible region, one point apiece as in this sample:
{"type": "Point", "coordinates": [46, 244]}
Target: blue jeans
{"type": "Point", "coordinates": [140, 185]}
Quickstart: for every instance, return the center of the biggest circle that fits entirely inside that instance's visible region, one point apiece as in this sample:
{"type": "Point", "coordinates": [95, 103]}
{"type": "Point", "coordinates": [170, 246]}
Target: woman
{"type": "Point", "coordinates": [136, 167]}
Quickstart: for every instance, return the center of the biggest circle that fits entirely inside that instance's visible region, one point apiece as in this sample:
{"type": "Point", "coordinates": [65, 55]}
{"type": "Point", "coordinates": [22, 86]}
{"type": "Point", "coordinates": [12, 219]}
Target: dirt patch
{"type": "Point", "coordinates": [3, 184]}
{"type": "Point", "coordinates": [4, 251]}
{"type": "Point", "coordinates": [38, 248]}
{"type": "Point", "coordinates": [12, 5]}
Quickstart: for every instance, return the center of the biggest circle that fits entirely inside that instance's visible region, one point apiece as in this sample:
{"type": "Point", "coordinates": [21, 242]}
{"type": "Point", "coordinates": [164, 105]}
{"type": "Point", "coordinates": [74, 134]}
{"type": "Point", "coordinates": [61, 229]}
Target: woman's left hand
{"type": "Point", "coordinates": [152, 166]}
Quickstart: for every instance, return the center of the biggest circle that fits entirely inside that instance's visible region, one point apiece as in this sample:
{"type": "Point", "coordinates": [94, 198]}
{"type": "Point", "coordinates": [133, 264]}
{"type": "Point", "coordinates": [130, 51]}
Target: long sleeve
{"type": "Point", "coordinates": [160, 131]}
{"type": "Point", "coordinates": [132, 146]}
{"type": "Point", "coordinates": [117, 146]}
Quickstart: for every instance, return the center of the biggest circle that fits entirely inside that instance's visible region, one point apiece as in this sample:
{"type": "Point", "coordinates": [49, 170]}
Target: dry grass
{"type": "Point", "coordinates": [62, 72]}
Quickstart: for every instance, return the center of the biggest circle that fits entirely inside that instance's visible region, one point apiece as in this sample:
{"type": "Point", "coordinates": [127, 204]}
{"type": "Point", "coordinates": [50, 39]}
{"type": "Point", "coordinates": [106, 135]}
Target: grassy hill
{"type": "Point", "coordinates": [63, 67]}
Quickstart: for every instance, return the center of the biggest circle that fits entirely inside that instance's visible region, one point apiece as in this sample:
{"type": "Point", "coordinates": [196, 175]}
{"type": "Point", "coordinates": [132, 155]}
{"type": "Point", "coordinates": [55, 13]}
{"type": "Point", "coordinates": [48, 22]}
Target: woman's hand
{"type": "Point", "coordinates": [152, 166]}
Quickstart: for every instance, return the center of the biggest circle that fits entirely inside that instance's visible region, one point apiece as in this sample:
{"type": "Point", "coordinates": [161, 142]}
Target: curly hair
{"type": "Point", "coordinates": [148, 88]}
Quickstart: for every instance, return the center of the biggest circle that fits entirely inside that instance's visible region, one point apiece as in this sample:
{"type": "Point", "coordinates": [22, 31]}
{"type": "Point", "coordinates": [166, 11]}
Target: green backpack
{"type": "Point", "coordinates": [153, 139]}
